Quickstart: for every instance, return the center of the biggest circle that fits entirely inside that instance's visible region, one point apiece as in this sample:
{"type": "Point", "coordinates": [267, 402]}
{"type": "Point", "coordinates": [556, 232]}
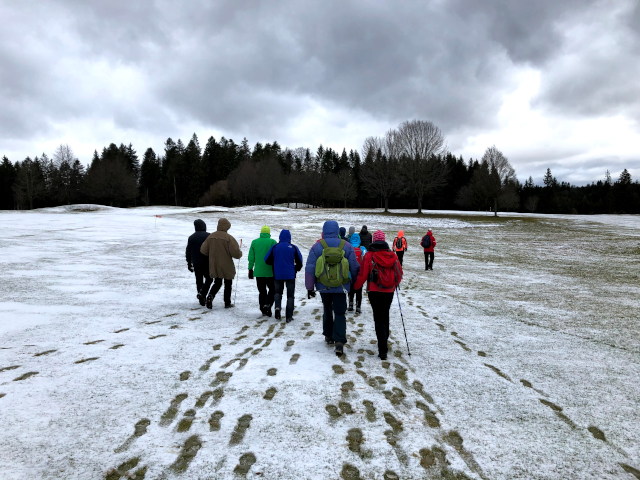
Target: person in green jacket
{"type": "Point", "coordinates": [262, 272]}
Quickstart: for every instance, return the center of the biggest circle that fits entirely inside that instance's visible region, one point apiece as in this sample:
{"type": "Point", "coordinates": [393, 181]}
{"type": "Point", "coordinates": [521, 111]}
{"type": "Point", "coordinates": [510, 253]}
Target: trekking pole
{"type": "Point", "coordinates": [235, 290]}
{"type": "Point", "coordinates": [402, 318]}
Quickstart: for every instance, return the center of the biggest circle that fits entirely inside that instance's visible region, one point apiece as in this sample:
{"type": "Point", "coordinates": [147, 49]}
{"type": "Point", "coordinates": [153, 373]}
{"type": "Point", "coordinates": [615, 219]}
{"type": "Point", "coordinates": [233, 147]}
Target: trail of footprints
{"type": "Point", "coordinates": [207, 400]}
{"type": "Point", "coordinates": [543, 398]}
{"type": "Point", "coordinates": [403, 400]}
{"type": "Point", "coordinates": [115, 346]}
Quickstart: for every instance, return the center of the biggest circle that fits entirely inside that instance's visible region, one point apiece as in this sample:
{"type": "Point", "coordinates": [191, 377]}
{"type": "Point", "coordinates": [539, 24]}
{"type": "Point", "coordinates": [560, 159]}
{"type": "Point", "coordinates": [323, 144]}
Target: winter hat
{"type": "Point", "coordinates": [378, 236]}
{"type": "Point", "coordinates": [342, 231]}
{"type": "Point", "coordinates": [265, 229]}
{"type": "Point", "coordinates": [400, 233]}
{"type": "Point", "coordinates": [352, 230]}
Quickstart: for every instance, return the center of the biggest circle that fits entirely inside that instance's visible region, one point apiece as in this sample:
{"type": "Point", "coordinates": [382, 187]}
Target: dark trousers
{"type": "Point", "coordinates": [380, 304]}
{"type": "Point", "coordinates": [428, 260]}
{"type": "Point", "coordinates": [265, 291]}
{"type": "Point", "coordinates": [334, 322]}
{"type": "Point", "coordinates": [291, 291]}
{"type": "Point", "coordinates": [201, 273]}
{"type": "Point", "coordinates": [217, 283]}
{"type": "Point", "coordinates": [357, 294]}
{"type": "Point", "coordinates": [400, 254]}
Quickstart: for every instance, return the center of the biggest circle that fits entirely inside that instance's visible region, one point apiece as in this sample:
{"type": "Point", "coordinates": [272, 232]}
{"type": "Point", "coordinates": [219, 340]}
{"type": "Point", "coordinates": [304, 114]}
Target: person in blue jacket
{"type": "Point", "coordinates": [334, 299]}
{"type": "Point", "coordinates": [286, 260]}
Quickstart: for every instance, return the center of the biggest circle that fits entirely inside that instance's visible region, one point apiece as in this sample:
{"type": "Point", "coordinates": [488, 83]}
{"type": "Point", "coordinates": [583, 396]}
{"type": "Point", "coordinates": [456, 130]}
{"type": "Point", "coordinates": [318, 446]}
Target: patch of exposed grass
{"type": "Point", "coordinates": [214, 420]}
{"type": "Point", "coordinates": [244, 422]}
{"type": "Point", "coordinates": [370, 410]}
{"type": "Point", "coordinates": [171, 412]}
{"type": "Point", "coordinates": [189, 450]}
{"type": "Point", "coordinates": [83, 360]}
{"type": "Point", "coordinates": [270, 393]}
{"type": "Point", "coordinates": [245, 463]}
{"type": "Point", "coordinates": [350, 472]}
{"type": "Point", "coordinates": [185, 375]}
{"type": "Point", "coordinates": [12, 367]}
{"type": "Point", "coordinates": [24, 376]}
{"type": "Point", "coordinates": [597, 433]}
{"type": "Point", "coordinates": [185, 423]}
{"type": "Point", "coordinates": [333, 411]}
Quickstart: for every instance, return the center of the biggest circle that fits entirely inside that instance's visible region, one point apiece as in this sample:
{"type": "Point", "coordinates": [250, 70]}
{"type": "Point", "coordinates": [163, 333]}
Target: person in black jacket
{"type": "Point", "coordinates": [365, 237]}
{"type": "Point", "coordinates": [197, 262]}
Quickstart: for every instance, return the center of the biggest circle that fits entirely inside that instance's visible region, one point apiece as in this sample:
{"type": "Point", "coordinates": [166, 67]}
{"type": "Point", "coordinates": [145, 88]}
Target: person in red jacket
{"type": "Point", "coordinates": [382, 272]}
{"type": "Point", "coordinates": [428, 243]}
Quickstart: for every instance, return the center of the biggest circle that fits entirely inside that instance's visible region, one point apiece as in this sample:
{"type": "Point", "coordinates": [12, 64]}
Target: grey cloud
{"type": "Point", "coordinates": [253, 67]}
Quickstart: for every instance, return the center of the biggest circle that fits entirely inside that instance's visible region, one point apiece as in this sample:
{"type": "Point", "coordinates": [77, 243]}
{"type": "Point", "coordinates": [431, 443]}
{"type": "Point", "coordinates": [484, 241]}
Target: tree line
{"type": "Point", "coordinates": [408, 167]}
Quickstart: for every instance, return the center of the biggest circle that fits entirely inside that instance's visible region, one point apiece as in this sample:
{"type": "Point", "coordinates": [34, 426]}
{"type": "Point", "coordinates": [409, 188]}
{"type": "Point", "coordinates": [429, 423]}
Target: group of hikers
{"type": "Point", "coordinates": [338, 266]}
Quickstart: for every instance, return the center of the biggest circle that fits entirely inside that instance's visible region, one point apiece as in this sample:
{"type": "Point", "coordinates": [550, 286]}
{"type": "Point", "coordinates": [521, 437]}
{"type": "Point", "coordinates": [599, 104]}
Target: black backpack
{"type": "Point", "coordinates": [426, 241]}
{"type": "Point", "coordinates": [398, 243]}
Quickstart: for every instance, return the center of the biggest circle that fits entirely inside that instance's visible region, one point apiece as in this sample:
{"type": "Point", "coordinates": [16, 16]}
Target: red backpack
{"type": "Point", "coordinates": [386, 271]}
{"type": "Point", "coordinates": [358, 252]}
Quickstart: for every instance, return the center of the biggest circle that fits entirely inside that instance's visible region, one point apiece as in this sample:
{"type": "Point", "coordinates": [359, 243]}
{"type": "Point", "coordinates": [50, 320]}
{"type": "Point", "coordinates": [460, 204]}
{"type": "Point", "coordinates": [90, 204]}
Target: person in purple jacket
{"type": "Point", "coordinates": [286, 260]}
{"type": "Point", "coordinates": [334, 299]}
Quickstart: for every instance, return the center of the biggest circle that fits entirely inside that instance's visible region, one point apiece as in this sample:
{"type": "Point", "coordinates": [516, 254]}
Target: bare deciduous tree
{"type": "Point", "coordinates": [503, 187]}
{"type": "Point", "coordinates": [419, 144]}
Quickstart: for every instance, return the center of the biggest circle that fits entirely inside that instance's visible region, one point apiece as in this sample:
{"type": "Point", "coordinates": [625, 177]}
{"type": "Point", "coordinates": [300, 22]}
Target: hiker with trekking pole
{"type": "Point", "coordinates": [331, 265]}
{"type": "Point", "coordinates": [221, 248]}
{"type": "Point", "coordinates": [382, 272]}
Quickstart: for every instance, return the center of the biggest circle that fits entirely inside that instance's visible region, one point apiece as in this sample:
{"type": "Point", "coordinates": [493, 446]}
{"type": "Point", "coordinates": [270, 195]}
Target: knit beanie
{"type": "Point", "coordinates": [378, 236]}
{"type": "Point", "coordinates": [265, 229]}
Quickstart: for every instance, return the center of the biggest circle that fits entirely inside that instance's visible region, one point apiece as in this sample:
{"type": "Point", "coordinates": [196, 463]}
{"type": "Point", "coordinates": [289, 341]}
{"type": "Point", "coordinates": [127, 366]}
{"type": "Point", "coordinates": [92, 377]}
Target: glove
{"type": "Point", "coordinates": [250, 274]}
{"type": "Point", "coordinates": [311, 293]}
{"type": "Point", "coordinates": [190, 267]}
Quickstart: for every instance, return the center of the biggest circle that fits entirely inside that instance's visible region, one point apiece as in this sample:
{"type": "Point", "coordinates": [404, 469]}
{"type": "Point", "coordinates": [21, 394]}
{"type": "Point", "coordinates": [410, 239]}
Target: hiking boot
{"type": "Point", "coordinates": [289, 319]}
{"type": "Point", "coordinates": [267, 309]}
{"type": "Point", "coordinates": [339, 349]}
{"type": "Point", "coordinates": [277, 315]}
{"type": "Point", "coordinates": [202, 299]}
{"type": "Point", "coordinates": [383, 356]}
{"type": "Point", "coordinates": [350, 307]}
{"type": "Point", "coordinates": [209, 301]}
{"type": "Point", "coordinates": [228, 305]}
{"type": "Point", "coordinates": [329, 340]}
{"type": "Point", "coordinates": [358, 310]}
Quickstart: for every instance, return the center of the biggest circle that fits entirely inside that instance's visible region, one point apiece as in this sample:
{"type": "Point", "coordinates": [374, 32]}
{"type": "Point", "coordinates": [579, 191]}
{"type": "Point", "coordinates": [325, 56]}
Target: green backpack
{"type": "Point", "coordinates": [332, 268]}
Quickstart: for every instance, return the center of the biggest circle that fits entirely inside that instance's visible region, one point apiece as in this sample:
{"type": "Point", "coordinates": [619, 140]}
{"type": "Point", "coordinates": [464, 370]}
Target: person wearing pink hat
{"type": "Point", "coordinates": [382, 272]}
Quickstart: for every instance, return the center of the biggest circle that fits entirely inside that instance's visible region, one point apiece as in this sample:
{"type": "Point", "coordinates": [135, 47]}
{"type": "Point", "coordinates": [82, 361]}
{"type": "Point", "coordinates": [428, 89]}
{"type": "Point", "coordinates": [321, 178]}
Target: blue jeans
{"type": "Point", "coordinates": [291, 290]}
{"type": "Point", "coordinates": [334, 322]}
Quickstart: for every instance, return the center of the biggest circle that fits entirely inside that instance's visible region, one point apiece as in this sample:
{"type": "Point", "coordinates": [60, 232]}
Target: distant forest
{"type": "Point", "coordinates": [408, 168]}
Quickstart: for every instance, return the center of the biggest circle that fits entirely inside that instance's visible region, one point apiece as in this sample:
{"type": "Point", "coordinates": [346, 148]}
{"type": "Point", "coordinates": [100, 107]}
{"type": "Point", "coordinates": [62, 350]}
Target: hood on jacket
{"type": "Point", "coordinates": [285, 236]}
{"type": "Point", "coordinates": [342, 231]}
{"type": "Point", "coordinates": [223, 225]}
{"type": "Point", "coordinates": [199, 225]}
{"type": "Point", "coordinates": [363, 230]}
{"type": "Point", "coordinates": [330, 229]}
{"type": "Point", "coordinates": [384, 258]}
{"type": "Point", "coordinates": [400, 233]}
{"type": "Point", "coordinates": [355, 240]}
{"type": "Point", "coordinates": [352, 230]}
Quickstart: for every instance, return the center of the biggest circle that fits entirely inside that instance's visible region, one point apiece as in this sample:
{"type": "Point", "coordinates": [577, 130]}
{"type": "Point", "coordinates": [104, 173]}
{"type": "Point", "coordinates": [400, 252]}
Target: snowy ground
{"type": "Point", "coordinates": [524, 340]}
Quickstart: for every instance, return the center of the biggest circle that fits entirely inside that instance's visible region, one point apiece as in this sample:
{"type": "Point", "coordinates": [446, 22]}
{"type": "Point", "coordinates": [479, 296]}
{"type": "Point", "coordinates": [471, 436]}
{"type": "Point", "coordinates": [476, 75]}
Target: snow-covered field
{"type": "Point", "coordinates": [524, 341]}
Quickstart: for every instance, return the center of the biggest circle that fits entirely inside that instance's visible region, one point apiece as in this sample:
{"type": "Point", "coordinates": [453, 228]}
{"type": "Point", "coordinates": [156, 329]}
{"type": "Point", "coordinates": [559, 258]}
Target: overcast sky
{"type": "Point", "coordinates": [551, 83]}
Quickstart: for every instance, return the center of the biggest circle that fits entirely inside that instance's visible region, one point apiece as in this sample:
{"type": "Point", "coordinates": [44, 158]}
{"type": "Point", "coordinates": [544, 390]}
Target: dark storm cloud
{"type": "Point", "coordinates": [256, 68]}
